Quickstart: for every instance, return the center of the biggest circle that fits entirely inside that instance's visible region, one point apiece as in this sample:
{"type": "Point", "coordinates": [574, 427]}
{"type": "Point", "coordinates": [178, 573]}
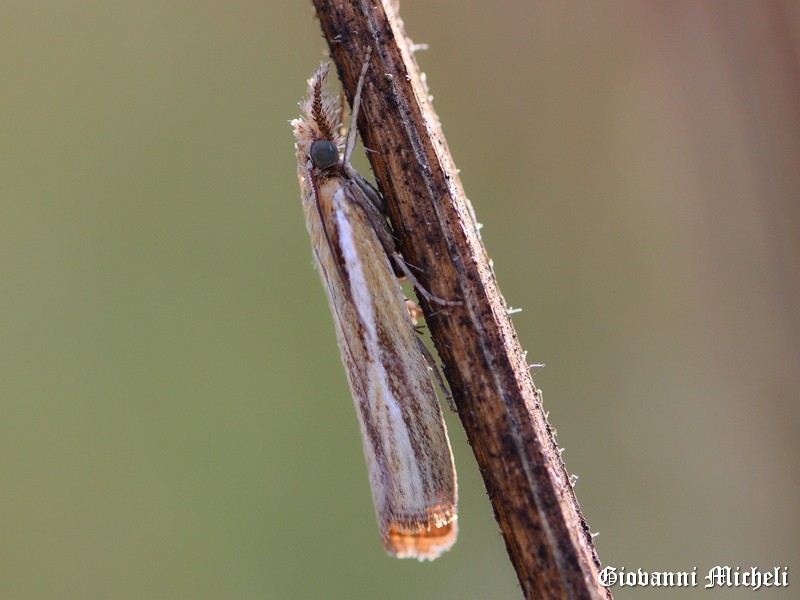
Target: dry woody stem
{"type": "Point", "coordinates": [546, 536]}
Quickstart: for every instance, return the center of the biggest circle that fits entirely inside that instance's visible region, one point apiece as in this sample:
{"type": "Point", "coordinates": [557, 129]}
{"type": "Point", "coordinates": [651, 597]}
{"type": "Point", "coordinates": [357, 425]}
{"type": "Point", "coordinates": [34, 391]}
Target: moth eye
{"type": "Point", "coordinates": [324, 154]}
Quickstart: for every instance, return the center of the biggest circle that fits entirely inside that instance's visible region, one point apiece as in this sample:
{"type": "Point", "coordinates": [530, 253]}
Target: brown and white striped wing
{"type": "Point", "coordinates": [405, 440]}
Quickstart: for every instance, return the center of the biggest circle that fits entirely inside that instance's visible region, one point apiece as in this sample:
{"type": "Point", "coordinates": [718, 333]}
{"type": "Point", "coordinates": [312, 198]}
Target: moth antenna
{"type": "Point", "coordinates": [352, 134]}
{"type": "Point", "coordinates": [327, 234]}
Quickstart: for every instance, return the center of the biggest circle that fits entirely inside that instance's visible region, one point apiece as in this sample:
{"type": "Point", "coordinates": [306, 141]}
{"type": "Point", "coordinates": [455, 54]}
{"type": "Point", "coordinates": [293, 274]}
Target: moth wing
{"type": "Point", "coordinates": [408, 453]}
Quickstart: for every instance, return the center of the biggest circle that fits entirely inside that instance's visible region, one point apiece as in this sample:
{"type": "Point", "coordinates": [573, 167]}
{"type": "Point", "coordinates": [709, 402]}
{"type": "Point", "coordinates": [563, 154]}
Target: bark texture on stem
{"type": "Point", "coordinates": [547, 538]}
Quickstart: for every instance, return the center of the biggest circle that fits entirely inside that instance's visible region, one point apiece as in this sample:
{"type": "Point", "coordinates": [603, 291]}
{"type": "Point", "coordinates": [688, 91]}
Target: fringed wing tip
{"type": "Point", "coordinates": [427, 544]}
{"type": "Point", "coordinates": [423, 539]}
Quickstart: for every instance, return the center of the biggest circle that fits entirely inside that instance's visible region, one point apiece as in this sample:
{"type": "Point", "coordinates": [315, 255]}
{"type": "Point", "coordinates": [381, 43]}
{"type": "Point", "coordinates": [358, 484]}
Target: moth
{"type": "Point", "coordinates": [408, 453]}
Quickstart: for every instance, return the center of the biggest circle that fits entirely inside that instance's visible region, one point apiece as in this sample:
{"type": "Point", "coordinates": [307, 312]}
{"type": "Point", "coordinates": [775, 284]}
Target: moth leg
{"type": "Point", "coordinates": [437, 374]}
{"type": "Point", "coordinates": [416, 313]}
{"type": "Point", "coordinates": [401, 264]}
{"type": "Point", "coordinates": [369, 191]}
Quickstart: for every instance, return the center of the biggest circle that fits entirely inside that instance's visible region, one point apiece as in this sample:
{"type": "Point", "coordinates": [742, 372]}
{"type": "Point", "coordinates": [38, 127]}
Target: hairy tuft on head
{"type": "Point", "coordinates": [321, 112]}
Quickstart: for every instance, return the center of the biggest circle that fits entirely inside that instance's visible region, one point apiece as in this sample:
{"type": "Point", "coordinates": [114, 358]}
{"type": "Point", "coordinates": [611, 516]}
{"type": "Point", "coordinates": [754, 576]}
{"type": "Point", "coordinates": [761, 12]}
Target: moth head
{"type": "Point", "coordinates": [317, 131]}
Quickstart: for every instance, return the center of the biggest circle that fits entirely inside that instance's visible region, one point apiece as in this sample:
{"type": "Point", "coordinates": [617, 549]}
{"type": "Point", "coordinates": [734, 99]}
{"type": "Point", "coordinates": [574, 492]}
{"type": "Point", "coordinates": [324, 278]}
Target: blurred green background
{"type": "Point", "coordinates": [174, 419]}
